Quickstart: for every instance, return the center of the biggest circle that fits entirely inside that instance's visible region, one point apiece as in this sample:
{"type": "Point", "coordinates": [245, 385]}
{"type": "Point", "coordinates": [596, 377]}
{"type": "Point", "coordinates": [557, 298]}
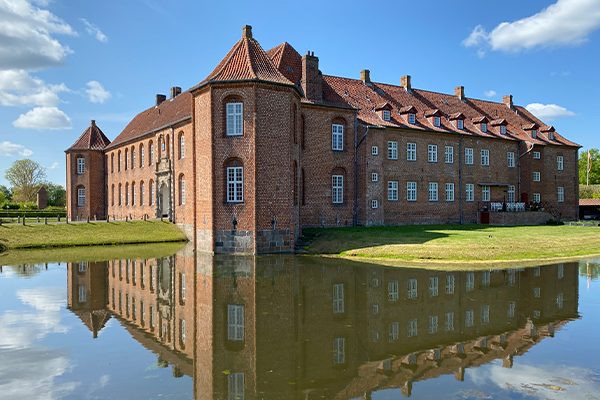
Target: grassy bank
{"type": "Point", "coordinates": [15, 236]}
{"type": "Point", "coordinates": [455, 243]}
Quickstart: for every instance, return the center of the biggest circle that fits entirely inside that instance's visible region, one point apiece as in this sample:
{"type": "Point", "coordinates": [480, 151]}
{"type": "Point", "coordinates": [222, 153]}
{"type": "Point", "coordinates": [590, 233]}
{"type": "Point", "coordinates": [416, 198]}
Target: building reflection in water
{"type": "Point", "coordinates": [306, 328]}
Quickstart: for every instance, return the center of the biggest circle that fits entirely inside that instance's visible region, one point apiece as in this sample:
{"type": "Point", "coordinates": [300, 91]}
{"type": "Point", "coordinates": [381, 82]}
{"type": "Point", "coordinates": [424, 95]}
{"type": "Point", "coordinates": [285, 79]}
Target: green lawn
{"type": "Point", "coordinates": [455, 243]}
{"type": "Point", "coordinates": [15, 236]}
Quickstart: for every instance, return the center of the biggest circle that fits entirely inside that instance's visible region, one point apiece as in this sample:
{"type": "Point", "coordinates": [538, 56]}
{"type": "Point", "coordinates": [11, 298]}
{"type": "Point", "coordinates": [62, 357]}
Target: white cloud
{"type": "Point", "coordinates": [9, 149]}
{"type": "Point", "coordinates": [541, 382]}
{"type": "Point", "coordinates": [54, 165]}
{"type": "Point", "coordinates": [96, 92]}
{"type": "Point", "coordinates": [490, 93]}
{"type": "Point", "coordinates": [26, 36]}
{"type": "Point", "coordinates": [43, 118]}
{"type": "Point", "coordinates": [548, 111]}
{"type": "Point", "coordinates": [18, 88]}
{"type": "Point", "coordinates": [94, 31]}
{"type": "Point", "coordinates": [564, 23]}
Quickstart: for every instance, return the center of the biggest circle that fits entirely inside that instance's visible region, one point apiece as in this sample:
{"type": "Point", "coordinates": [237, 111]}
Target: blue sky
{"type": "Point", "coordinates": [63, 63]}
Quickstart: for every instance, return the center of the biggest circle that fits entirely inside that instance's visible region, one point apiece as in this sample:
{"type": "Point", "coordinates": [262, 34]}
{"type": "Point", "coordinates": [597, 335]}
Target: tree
{"type": "Point", "coordinates": [25, 176]}
{"type": "Point", "coordinates": [5, 193]}
{"type": "Point", "coordinates": [595, 167]}
{"type": "Point", "coordinates": [57, 195]}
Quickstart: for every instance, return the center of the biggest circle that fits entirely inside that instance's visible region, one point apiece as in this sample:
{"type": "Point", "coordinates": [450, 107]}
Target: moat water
{"type": "Point", "coordinates": [285, 327]}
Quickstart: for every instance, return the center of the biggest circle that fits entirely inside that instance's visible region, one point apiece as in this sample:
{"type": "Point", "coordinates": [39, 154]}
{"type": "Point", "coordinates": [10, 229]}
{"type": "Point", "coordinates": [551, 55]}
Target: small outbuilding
{"type": "Point", "coordinates": [42, 198]}
{"type": "Point", "coordinates": [589, 209]}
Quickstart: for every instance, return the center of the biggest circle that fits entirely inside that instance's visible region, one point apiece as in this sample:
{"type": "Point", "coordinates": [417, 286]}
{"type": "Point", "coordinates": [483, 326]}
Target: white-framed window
{"type": "Point", "coordinates": [537, 176]}
{"type": "Point", "coordinates": [551, 136]}
{"type": "Point", "coordinates": [511, 193]}
{"type": "Point", "coordinates": [432, 153]}
{"type": "Point", "coordinates": [485, 193]}
{"type": "Point", "coordinates": [512, 306]}
{"type": "Point", "coordinates": [182, 286]}
{"type": "Point", "coordinates": [142, 156]}
{"type": "Point", "coordinates": [486, 278]}
{"type": "Point", "coordinates": [235, 184]}
{"type": "Point", "coordinates": [412, 118]}
{"type": "Point", "coordinates": [512, 277]}
{"type": "Point", "coordinates": [485, 314]}
{"type": "Point", "coordinates": [460, 124]}
{"type": "Point", "coordinates": [339, 350]}
{"type": "Point", "coordinates": [537, 155]}
{"type": "Point", "coordinates": [433, 286]}
{"type": "Point", "coordinates": [449, 154]}
{"type": "Point", "coordinates": [433, 191]}
{"type": "Point", "coordinates": [142, 193]}
{"type": "Point", "coordinates": [80, 165]}
{"type": "Point", "coordinates": [560, 194]}
{"type": "Point", "coordinates": [181, 191]}
{"type": "Point", "coordinates": [412, 328]}
{"type": "Point", "coordinates": [469, 318]}
{"type": "Point", "coordinates": [394, 331]}
{"type": "Point", "coordinates": [450, 283]}
{"type": "Point", "coordinates": [510, 158]}
{"type": "Point", "coordinates": [375, 309]}
{"type": "Point", "coordinates": [411, 191]}
{"type": "Point", "coordinates": [537, 198]}
{"type": "Point", "coordinates": [503, 129]}
{"type": "Point", "coordinates": [235, 119]}
{"type": "Point", "coordinates": [437, 121]}
{"type": "Point", "coordinates": [412, 292]}
{"type": "Point", "coordinates": [449, 325]}
{"type": "Point", "coordinates": [392, 150]}
{"type": "Point", "coordinates": [537, 314]}
{"type": "Point", "coordinates": [534, 134]}
{"type": "Point", "coordinates": [374, 204]}
{"type": "Point", "coordinates": [82, 267]}
{"type": "Point", "coordinates": [132, 158]}
{"type": "Point", "coordinates": [449, 191]}
{"type": "Point", "coordinates": [393, 290]}
{"type": "Point", "coordinates": [82, 294]}
{"type": "Point", "coordinates": [182, 331]}
{"type": "Point", "coordinates": [374, 177]}
{"type": "Point", "coordinates": [337, 137]}
{"type": "Point", "coordinates": [338, 298]}
{"type": "Point", "coordinates": [560, 271]}
{"type": "Point", "coordinates": [133, 195]}
{"type": "Point", "coordinates": [468, 156]}
{"type": "Point", "coordinates": [485, 157]}
{"type": "Point", "coordinates": [235, 386]}
{"type": "Point", "coordinates": [411, 152]}
{"type": "Point", "coordinates": [484, 127]}
{"type": "Point", "coordinates": [80, 197]}
{"type": "Point", "coordinates": [151, 147]}
{"type": "Point", "coordinates": [469, 192]}
{"type": "Point", "coordinates": [151, 194]}
{"type": "Point", "coordinates": [560, 163]}
{"type": "Point", "coordinates": [374, 150]}
{"type": "Point", "coordinates": [470, 281]}
{"type": "Point", "coordinates": [560, 300]}
{"type": "Point", "coordinates": [235, 322]}
{"type": "Point", "coordinates": [433, 324]}
{"type": "Point", "coordinates": [392, 194]}
{"type": "Point", "coordinates": [181, 146]}
{"type": "Point", "coordinates": [387, 115]}
{"type": "Point", "coordinates": [337, 189]}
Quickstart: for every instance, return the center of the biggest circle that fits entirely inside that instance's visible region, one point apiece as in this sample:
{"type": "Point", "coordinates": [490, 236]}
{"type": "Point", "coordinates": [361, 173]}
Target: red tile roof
{"type": "Point", "coordinates": [91, 139]}
{"type": "Point", "coordinates": [287, 61]}
{"type": "Point", "coordinates": [168, 113]}
{"type": "Point", "coordinates": [589, 202]}
{"type": "Point", "coordinates": [246, 61]}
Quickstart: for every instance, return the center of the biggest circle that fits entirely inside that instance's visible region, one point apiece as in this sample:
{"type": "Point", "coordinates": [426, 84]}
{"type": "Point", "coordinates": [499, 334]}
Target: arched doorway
{"type": "Point", "coordinates": [164, 201]}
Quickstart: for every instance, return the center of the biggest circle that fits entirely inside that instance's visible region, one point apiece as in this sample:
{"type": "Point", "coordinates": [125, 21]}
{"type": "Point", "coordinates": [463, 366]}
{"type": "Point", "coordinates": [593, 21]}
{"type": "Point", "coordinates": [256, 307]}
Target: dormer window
{"type": "Point", "coordinates": [437, 121]}
{"type": "Point", "coordinates": [386, 115]}
{"type": "Point", "coordinates": [503, 129]}
{"type": "Point", "coordinates": [460, 124]}
{"type": "Point", "coordinates": [532, 128]}
{"type": "Point", "coordinates": [483, 127]}
{"type": "Point", "coordinates": [412, 119]}
{"type": "Point", "coordinates": [534, 133]}
{"type": "Point", "coordinates": [551, 136]}
{"type": "Point", "coordinates": [434, 117]}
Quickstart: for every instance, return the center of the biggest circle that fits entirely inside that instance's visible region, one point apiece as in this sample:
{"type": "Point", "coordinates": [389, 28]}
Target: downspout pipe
{"type": "Point", "coordinates": [357, 143]}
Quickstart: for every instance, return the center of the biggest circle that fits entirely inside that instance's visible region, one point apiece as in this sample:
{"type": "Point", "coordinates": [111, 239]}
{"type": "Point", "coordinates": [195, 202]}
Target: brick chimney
{"type": "Point", "coordinates": [312, 80]}
{"type": "Point", "coordinates": [247, 32]}
{"type": "Point", "coordinates": [459, 92]}
{"type": "Point", "coordinates": [365, 76]}
{"type": "Point", "coordinates": [93, 122]}
{"type": "Point", "coordinates": [175, 91]}
{"type": "Point", "coordinates": [508, 101]}
{"type": "Point", "coordinates": [160, 98]}
{"type": "Point", "coordinates": [405, 83]}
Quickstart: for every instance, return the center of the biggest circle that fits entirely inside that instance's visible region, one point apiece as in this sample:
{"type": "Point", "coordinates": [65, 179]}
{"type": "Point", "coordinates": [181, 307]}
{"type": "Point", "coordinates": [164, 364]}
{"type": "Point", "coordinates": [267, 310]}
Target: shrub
{"type": "Point", "coordinates": [589, 192]}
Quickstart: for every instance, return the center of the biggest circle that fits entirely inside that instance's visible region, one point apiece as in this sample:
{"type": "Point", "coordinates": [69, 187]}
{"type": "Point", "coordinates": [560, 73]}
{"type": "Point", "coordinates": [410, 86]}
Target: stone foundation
{"type": "Point", "coordinates": [519, 218]}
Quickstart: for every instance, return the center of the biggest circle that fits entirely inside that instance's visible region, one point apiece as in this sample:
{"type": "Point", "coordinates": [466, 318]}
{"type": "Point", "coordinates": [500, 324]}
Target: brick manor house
{"type": "Point", "coordinates": [266, 145]}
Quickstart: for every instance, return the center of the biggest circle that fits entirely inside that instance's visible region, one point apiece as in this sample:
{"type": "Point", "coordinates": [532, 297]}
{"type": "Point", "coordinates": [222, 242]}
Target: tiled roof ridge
{"type": "Point", "coordinates": [92, 138]}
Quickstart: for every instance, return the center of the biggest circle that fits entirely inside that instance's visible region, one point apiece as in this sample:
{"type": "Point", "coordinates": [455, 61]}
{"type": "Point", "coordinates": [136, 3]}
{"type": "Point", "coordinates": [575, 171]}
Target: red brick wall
{"type": "Point", "coordinates": [93, 180]}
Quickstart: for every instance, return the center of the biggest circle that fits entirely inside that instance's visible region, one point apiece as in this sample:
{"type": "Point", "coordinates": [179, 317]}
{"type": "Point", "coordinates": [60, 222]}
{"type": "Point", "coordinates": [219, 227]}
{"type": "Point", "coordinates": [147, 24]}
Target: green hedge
{"type": "Point", "coordinates": [32, 213]}
{"type": "Point", "coordinates": [589, 192]}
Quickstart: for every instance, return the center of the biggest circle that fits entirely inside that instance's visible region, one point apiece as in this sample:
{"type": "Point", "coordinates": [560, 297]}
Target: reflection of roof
{"type": "Point", "coordinates": [91, 139]}
{"type": "Point", "coordinates": [95, 320]}
{"type": "Point", "coordinates": [589, 202]}
{"type": "Point", "coordinates": [424, 364]}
